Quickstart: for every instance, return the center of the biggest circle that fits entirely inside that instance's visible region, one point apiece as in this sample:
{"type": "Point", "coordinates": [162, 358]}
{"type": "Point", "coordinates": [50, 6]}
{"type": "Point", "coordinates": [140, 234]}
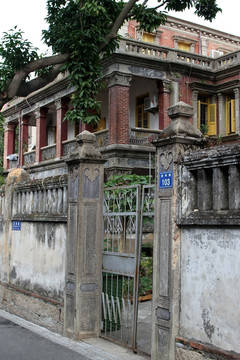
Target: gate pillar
{"type": "Point", "coordinates": [175, 139]}
{"type": "Point", "coordinates": [82, 306]}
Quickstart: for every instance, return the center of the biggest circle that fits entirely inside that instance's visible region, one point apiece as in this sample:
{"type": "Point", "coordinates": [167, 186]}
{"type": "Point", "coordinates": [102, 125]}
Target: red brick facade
{"type": "Point", "coordinates": [62, 126]}
{"type": "Point", "coordinates": [118, 112]}
{"type": "Point", "coordinates": [163, 105]}
{"type": "Point", "coordinates": [9, 143]}
{"type": "Point", "coordinates": [41, 134]}
{"type": "Point", "coordinates": [200, 39]}
{"type": "Point", "coordinates": [24, 139]}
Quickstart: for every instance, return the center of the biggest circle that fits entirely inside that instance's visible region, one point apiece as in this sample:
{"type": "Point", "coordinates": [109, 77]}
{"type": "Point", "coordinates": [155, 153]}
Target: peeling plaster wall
{"type": "Point", "coordinates": [3, 252]}
{"type": "Point", "coordinates": [210, 286]}
{"type": "Point", "coordinates": [37, 260]}
{"type": "Point", "coordinates": [32, 272]}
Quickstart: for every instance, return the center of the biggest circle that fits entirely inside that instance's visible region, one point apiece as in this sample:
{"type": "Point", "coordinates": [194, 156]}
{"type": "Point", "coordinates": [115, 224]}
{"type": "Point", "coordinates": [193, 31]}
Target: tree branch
{"type": "Point", "coordinates": [16, 82]}
{"type": "Point", "coordinates": [118, 23]}
{"type": "Point", "coordinates": [27, 88]}
{"type": "Point", "coordinates": [163, 3]}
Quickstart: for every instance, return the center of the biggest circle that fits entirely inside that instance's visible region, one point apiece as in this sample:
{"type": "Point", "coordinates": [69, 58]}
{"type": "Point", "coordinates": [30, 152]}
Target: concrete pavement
{"type": "Point", "coordinates": [22, 340]}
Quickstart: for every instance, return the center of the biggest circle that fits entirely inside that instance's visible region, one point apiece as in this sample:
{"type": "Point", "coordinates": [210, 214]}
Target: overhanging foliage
{"type": "Point", "coordinates": [81, 33]}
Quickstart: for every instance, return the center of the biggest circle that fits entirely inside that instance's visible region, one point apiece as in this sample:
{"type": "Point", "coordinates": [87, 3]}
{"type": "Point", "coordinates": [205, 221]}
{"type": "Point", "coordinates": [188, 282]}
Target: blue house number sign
{"type": "Point", "coordinates": [166, 180]}
{"type": "Point", "coordinates": [16, 225]}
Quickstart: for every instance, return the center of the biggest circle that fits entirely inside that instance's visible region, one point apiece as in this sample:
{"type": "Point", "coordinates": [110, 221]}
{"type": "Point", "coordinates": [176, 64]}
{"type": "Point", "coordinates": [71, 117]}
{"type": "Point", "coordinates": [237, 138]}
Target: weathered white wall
{"type": "Point", "coordinates": [210, 286]}
{"type": "Point", "coordinates": [37, 258]}
{"type": "Point", "coordinates": [71, 131]}
{"type": "Point", "coordinates": [3, 252]}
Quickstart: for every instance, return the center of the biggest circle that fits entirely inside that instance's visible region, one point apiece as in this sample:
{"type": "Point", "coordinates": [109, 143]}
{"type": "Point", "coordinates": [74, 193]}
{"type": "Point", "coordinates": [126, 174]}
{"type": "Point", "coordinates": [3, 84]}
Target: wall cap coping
{"type": "Point", "coordinates": [211, 218]}
{"type": "Point", "coordinates": [224, 154]}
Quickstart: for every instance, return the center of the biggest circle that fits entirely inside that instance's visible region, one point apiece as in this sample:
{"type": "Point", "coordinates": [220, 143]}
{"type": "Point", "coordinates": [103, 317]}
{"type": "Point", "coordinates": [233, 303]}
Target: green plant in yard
{"type": "Point", "coordinates": [145, 286]}
{"type": "Point", "coordinates": [145, 278]}
{"type": "Point", "coordinates": [146, 265]}
{"type": "Point", "coordinates": [204, 129]}
{"type": "Point", "coordinates": [119, 180]}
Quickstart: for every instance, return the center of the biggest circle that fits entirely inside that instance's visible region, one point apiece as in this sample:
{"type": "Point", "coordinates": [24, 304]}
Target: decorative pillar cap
{"type": "Point", "coordinates": [180, 114]}
{"type": "Point", "coordinates": [17, 175]}
{"type": "Point", "coordinates": [86, 149]}
{"type": "Point", "coordinates": [86, 137]}
{"type": "Point", "coordinates": [180, 109]}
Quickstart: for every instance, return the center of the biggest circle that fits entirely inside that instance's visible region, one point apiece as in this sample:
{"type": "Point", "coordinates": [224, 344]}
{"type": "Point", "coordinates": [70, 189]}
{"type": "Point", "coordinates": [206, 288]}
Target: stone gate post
{"type": "Point", "coordinates": [82, 306]}
{"type": "Point", "coordinates": [175, 139]}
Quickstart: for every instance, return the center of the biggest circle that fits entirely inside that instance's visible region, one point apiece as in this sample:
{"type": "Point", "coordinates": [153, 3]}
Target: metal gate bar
{"type": "Point", "coordinates": [123, 226]}
{"type": "Point", "coordinates": [144, 324]}
{"type": "Point", "coordinates": [121, 250]}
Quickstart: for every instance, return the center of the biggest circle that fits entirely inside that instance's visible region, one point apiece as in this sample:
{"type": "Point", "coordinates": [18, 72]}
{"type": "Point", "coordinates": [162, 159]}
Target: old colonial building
{"type": "Point", "coordinates": [180, 61]}
{"type": "Point", "coordinates": [69, 251]}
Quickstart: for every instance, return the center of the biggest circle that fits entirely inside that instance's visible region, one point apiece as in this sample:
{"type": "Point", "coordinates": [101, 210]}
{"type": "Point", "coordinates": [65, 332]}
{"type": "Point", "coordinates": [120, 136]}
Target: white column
{"type": "Point", "coordinates": [221, 115]}
{"type": "Point", "coordinates": [236, 93]}
{"type": "Point", "coordinates": [195, 107]}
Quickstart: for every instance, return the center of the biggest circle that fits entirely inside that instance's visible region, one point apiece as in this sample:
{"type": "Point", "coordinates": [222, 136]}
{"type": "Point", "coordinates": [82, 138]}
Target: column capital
{"type": "Point", "coordinates": [195, 95]}
{"type": "Point", "coordinates": [9, 126]}
{"type": "Point", "coordinates": [119, 79]}
{"type": "Point", "coordinates": [220, 97]}
{"type": "Point", "coordinates": [164, 86]}
{"type": "Point", "coordinates": [41, 112]}
{"type": "Point", "coordinates": [25, 119]}
{"type": "Point", "coordinates": [61, 103]}
{"type": "Point", "coordinates": [236, 92]}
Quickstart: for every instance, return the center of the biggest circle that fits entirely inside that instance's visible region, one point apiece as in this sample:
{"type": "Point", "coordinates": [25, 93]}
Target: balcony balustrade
{"type": "Point", "coordinates": [157, 52]}
{"type": "Point", "coordinates": [144, 137]}
{"type": "Point", "coordinates": [48, 152]}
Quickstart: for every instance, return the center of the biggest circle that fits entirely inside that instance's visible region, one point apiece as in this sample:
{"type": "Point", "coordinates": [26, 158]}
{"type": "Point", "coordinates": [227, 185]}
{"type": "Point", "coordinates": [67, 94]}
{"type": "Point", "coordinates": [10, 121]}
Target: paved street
{"type": "Point", "coordinates": [22, 340]}
{"type": "Point", "coordinates": [17, 343]}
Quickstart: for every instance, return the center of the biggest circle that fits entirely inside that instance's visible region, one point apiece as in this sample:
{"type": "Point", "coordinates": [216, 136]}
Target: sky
{"type": "Point", "coordinates": [29, 16]}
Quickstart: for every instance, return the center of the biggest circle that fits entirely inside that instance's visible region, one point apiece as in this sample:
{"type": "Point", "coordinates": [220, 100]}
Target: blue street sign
{"type": "Point", "coordinates": [165, 180]}
{"type": "Point", "coordinates": [16, 225]}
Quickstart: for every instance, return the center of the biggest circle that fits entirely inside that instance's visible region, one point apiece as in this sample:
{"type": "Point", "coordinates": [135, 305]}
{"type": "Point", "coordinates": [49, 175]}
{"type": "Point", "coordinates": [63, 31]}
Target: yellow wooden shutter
{"type": "Point", "coordinates": [212, 119]}
{"type": "Point", "coordinates": [183, 46]}
{"type": "Point", "coordinates": [101, 124]}
{"type": "Point", "coordinates": [198, 114]}
{"type": "Point", "coordinates": [148, 37]}
{"type": "Point", "coordinates": [227, 116]}
{"type": "Point", "coordinates": [233, 119]}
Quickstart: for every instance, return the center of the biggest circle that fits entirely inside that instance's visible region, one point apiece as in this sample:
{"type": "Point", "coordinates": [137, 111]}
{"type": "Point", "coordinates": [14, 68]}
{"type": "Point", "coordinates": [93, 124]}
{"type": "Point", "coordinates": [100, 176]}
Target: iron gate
{"type": "Point", "coordinates": [123, 215]}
